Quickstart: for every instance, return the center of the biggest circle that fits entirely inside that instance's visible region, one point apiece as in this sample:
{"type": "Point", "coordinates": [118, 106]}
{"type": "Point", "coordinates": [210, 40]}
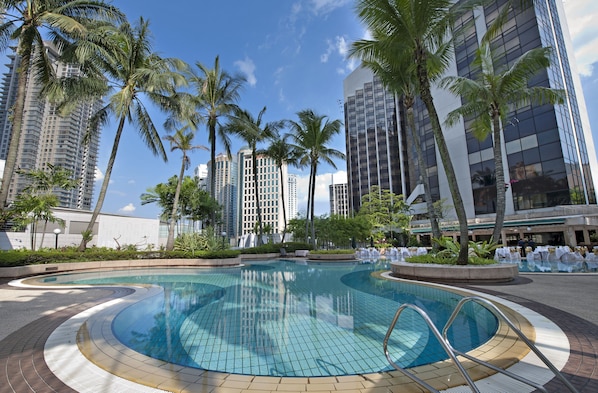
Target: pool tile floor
{"type": "Point", "coordinates": [71, 337]}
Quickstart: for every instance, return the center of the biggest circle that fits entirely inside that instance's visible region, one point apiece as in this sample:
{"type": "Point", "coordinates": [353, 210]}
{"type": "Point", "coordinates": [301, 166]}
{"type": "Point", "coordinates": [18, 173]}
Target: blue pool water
{"type": "Point", "coordinates": [286, 319]}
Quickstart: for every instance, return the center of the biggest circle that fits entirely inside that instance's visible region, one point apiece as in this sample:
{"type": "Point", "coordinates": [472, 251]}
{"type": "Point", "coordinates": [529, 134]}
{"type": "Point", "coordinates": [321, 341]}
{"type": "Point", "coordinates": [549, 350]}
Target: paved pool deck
{"type": "Point", "coordinates": [29, 317]}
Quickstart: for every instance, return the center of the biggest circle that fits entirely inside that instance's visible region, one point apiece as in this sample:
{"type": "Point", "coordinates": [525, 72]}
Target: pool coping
{"type": "Point", "coordinates": [91, 329]}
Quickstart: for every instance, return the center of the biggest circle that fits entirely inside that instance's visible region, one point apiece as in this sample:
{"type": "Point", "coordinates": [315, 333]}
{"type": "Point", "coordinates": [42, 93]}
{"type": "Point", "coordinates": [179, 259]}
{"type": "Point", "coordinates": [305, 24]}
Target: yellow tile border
{"type": "Point", "coordinates": [97, 343]}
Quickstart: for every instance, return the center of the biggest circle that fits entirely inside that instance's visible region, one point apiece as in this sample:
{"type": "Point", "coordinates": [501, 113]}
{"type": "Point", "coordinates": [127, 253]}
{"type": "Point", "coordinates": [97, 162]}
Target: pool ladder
{"type": "Point", "coordinates": [452, 353]}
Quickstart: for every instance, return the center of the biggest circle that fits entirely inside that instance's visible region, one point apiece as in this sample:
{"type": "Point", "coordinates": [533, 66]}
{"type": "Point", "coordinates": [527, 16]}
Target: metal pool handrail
{"type": "Point", "coordinates": [440, 339]}
{"type": "Point", "coordinates": [499, 314]}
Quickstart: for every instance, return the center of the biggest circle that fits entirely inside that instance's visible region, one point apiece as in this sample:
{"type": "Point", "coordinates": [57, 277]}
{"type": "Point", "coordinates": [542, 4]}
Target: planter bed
{"type": "Point", "coordinates": [455, 273]}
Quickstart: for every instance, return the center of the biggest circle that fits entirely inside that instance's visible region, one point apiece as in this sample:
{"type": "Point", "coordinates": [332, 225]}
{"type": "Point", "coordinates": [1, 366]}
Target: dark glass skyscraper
{"type": "Point", "coordinates": [548, 150]}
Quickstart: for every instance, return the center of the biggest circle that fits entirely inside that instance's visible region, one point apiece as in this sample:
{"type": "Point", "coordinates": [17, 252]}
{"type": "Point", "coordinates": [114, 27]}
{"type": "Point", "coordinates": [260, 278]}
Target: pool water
{"type": "Point", "coordinates": [286, 319]}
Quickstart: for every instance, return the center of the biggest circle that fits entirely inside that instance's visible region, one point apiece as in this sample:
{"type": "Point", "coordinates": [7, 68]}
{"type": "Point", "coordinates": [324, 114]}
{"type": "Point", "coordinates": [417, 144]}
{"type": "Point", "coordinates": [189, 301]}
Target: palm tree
{"type": "Point", "coordinates": [310, 136]}
{"type": "Point", "coordinates": [181, 140]}
{"type": "Point", "coordinates": [216, 94]}
{"type": "Point", "coordinates": [493, 94]}
{"type": "Point", "coordinates": [134, 72]}
{"type": "Point", "coordinates": [37, 200]}
{"type": "Point", "coordinates": [398, 75]}
{"type": "Point", "coordinates": [253, 131]}
{"type": "Point", "coordinates": [416, 29]}
{"type": "Point", "coordinates": [281, 152]}
{"type": "Point", "coordinates": [65, 22]}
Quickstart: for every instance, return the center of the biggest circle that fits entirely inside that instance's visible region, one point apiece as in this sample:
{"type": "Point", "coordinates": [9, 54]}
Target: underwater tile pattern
{"type": "Point", "coordinates": [289, 320]}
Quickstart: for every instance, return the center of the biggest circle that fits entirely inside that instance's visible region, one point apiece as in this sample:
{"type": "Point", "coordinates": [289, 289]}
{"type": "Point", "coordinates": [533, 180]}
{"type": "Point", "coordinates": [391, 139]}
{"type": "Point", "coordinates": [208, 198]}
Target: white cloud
{"type": "Point", "coordinates": [322, 195]}
{"type": "Point", "coordinates": [99, 175]}
{"type": "Point", "coordinates": [247, 67]}
{"type": "Point", "coordinates": [339, 45]}
{"type": "Point", "coordinates": [132, 181]}
{"type": "Point", "coordinates": [127, 209]}
{"type": "Point", "coordinates": [322, 7]}
{"type": "Point", "coordinates": [581, 18]}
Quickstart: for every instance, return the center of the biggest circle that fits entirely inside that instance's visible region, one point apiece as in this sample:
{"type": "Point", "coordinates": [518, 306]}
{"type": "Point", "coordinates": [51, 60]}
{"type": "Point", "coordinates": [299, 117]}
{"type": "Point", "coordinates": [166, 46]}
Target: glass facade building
{"type": "Point", "coordinates": [548, 150]}
{"type": "Point", "coordinates": [547, 161]}
{"type": "Point", "coordinates": [374, 151]}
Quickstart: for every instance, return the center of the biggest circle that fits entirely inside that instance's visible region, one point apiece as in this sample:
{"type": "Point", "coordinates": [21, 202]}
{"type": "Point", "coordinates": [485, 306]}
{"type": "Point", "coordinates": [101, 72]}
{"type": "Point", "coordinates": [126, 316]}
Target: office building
{"type": "Point", "coordinates": [339, 200]}
{"type": "Point", "coordinates": [225, 193]}
{"type": "Point", "coordinates": [268, 191]}
{"type": "Point", "coordinates": [201, 173]}
{"type": "Point", "coordinates": [373, 141]}
{"type": "Point", "coordinates": [549, 152]}
{"type": "Point", "coordinates": [291, 193]}
{"type": "Point", "coordinates": [48, 137]}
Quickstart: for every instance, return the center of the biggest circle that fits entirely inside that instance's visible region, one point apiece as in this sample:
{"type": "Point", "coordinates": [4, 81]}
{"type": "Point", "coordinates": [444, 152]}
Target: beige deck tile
{"type": "Point", "coordinates": [319, 387]}
{"type": "Point", "coordinates": [240, 378]}
{"type": "Point", "coordinates": [291, 387]}
{"type": "Point", "coordinates": [411, 387]}
{"type": "Point", "coordinates": [235, 384]}
{"type": "Point", "coordinates": [262, 386]}
{"type": "Point", "coordinates": [350, 378]}
{"type": "Point", "coordinates": [345, 386]}
{"type": "Point", "coordinates": [314, 380]}
{"type": "Point", "coordinates": [222, 389]}
{"type": "Point", "coordinates": [262, 379]}
{"type": "Point", "coordinates": [295, 380]}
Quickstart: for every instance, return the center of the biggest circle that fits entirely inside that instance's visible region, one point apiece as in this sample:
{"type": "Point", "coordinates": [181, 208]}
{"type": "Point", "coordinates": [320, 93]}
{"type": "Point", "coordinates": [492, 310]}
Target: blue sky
{"type": "Point", "coordinates": [293, 56]}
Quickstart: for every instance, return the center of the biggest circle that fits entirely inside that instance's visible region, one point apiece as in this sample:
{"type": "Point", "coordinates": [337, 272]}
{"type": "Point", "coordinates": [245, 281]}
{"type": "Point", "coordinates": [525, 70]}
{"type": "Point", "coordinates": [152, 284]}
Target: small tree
{"type": "Point", "coordinates": [37, 200]}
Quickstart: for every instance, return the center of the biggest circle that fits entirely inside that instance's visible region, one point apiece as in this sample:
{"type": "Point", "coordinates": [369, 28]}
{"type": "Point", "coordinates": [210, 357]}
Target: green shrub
{"type": "Point", "coordinates": [450, 260]}
{"type": "Point", "coordinates": [21, 258]}
{"type": "Point", "coordinates": [294, 246]}
{"type": "Point", "coordinates": [340, 251]}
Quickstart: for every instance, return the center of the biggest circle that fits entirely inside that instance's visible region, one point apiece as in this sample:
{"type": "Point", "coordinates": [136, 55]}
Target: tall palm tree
{"type": "Point", "coordinates": [181, 140]}
{"type": "Point", "coordinates": [397, 73]}
{"type": "Point", "coordinates": [134, 72]}
{"type": "Point", "coordinates": [215, 95]}
{"type": "Point", "coordinates": [493, 94]}
{"type": "Point", "coordinates": [253, 131]}
{"type": "Point", "coordinates": [26, 22]}
{"type": "Point", "coordinates": [415, 29]}
{"type": "Point", "coordinates": [282, 153]}
{"type": "Point", "coordinates": [310, 137]}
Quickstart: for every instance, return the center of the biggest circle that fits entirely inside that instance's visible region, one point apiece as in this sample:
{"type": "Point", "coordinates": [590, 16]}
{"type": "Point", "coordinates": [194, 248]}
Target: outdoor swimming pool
{"type": "Point", "coordinates": [285, 319]}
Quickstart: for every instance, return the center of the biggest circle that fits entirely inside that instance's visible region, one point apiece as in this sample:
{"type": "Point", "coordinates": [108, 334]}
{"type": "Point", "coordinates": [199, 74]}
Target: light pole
{"type": "Point", "coordinates": [56, 232]}
{"type": "Point", "coordinates": [223, 236]}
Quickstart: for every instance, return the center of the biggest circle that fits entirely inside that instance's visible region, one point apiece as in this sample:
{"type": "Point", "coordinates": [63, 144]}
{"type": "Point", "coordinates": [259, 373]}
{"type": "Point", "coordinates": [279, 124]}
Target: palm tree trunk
{"type": "Point", "coordinates": [436, 234]}
{"type": "Point", "coordinates": [426, 96]}
{"type": "Point", "coordinates": [33, 235]}
{"type": "Point", "coordinates": [284, 210]}
{"type": "Point", "coordinates": [257, 196]}
{"type": "Point", "coordinates": [17, 128]}
{"type": "Point", "coordinates": [308, 206]}
{"type": "Point", "coordinates": [104, 188]}
{"type": "Point", "coordinates": [175, 206]}
{"type": "Point", "coordinates": [313, 194]}
{"type": "Point", "coordinates": [500, 180]}
{"type": "Point", "coordinates": [41, 242]}
{"type": "Point", "coordinates": [213, 171]}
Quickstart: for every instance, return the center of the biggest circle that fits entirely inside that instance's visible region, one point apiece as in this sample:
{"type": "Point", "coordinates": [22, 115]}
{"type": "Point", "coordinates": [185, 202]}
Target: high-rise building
{"type": "Point", "coordinates": [549, 152]}
{"type": "Point", "coordinates": [292, 196]}
{"type": "Point", "coordinates": [226, 193]}
{"type": "Point", "coordinates": [339, 200]}
{"type": "Point", "coordinates": [269, 193]}
{"type": "Point", "coordinates": [48, 137]}
{"type": "Point", "coordinates": [375, 146]}
{"type": "Point", "coordinates": [201, 173]}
